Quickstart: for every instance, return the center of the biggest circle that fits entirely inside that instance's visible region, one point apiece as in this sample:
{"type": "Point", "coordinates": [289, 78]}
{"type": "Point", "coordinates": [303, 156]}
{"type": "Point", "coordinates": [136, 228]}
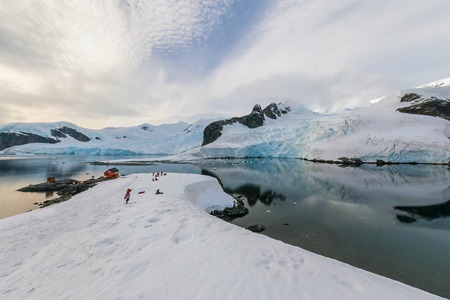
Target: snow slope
{"type": "Point", "coordinates": [166, 247]}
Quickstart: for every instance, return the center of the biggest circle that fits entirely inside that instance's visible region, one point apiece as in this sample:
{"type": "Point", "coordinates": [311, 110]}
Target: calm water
{"type": "Point", "coordinates": [393, 221]}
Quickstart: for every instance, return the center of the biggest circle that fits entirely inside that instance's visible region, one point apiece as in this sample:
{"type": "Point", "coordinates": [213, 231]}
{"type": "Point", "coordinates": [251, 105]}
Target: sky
{"type": "Point", "coordinates": [101, 63]}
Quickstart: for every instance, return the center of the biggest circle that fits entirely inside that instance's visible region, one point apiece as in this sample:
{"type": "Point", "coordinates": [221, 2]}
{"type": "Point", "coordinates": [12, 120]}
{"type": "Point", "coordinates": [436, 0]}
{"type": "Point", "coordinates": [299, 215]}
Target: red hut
{"type": "Point", "coordinates": [111, 173]}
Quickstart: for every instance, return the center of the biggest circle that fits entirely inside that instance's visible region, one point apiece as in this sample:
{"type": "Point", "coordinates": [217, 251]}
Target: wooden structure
{"type": "Point", "coordinates": [111, 173]}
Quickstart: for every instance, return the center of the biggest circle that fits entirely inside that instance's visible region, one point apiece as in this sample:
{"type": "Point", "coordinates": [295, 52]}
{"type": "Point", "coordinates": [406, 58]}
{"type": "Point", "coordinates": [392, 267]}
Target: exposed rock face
{"type": "Point", "coordinates": [9, 139]}
{"type": "Point", "coordinates": [429, 107]}
{"type": "Point", "coordinates": [409, 97]}
{"type": "Point", "coordinates": [64, 131]}
{"type": "Point", "coordinates": [253, 120]}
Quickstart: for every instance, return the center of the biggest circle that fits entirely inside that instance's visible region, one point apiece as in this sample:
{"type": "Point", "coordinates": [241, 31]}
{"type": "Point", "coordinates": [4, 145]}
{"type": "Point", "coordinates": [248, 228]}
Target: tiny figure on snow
{"type": "Point", "coordinates": [127, 195]}
{"type": "Point", "coordinates": [158, 192]}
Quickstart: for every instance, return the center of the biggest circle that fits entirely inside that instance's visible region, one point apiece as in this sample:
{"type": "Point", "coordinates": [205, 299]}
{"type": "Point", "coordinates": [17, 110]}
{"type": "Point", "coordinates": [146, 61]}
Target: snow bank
{"type": "Point", "coordinates": [165, 247]}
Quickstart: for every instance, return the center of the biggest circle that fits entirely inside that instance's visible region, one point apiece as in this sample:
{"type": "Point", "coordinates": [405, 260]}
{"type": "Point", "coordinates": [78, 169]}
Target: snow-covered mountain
{"type": "Point", "coordinates": [405, 126]}
{"type": "Point", "coordinates": [68, 138]}
{"type": "Point", "coordinates": [410, 125]}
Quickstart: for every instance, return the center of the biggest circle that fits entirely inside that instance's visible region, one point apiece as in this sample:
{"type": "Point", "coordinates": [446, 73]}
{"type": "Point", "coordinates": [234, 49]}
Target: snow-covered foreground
{"type": "Point", "coordinates": [166, 247]}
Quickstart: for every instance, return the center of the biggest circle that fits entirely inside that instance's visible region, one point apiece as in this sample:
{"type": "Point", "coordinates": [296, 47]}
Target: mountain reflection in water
{"type": "Point", "coordinates": [427, 212]}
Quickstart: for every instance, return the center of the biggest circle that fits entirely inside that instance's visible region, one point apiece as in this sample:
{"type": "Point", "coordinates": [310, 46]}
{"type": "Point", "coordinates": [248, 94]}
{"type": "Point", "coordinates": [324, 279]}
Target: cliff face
{"type": "Point", "coordinates": [253, 120]}
{"type": "Point", "coordinates": [432, 106]}
{"type": "Point", "coordinates": [9, 139]}
{"type": "Point", "coordinates": [64, 131]}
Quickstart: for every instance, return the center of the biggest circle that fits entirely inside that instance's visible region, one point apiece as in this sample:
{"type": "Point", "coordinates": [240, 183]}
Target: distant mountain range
{"type": "Point", "coordinates": [411, 125]}
{"type": "Point", "coordinates": [68, 138]}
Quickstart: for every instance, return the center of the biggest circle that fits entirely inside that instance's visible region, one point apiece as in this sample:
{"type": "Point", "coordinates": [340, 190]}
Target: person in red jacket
{"type": "Point", "coordinates": [127, 195]}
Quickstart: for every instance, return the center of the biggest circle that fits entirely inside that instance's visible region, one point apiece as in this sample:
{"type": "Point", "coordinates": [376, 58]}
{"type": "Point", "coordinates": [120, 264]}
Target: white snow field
{"type": "Point", "coordinates": [166, 247]}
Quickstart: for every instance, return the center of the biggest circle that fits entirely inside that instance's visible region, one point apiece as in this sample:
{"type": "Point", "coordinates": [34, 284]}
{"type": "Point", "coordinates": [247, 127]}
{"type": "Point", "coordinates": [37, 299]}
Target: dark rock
{"type": "Point", "coordinates": [217, 213]}
{"type": "Point", "coordinates": [355, 161]}
{"type": "Point", "coordinates": [253, 120]}
{"type": "Point", "coordinates": [64, 131]}
{"type": "Point", "coordinates": [380, 162]}
{"type": "Point", "coordinates": [49, 186]}
{"type": "Point", "coordinates": [212, 132]}
{"type": "Point", "coordinates": [257, 108]}
{"type": "Point", "coordinates": [272, 111]}
{"type": "Point", "coordinates": [64, 188]}
{"type": "Point", "coordinates": [10, 139]}
{"type": "Point", "coordinates": [235, 211]}
{"type": "Point", "coordinates": [409, 97]}
{"type": "Point", "coordinates": [256, 228]}
{"type": "Point", "coordinates": [57, 133]}
{"type": "Point", "coordinates": [430, 107]}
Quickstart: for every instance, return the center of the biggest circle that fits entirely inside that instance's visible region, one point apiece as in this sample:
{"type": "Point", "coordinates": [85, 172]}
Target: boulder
{"type": "Point", "coordinates": [256, 228]}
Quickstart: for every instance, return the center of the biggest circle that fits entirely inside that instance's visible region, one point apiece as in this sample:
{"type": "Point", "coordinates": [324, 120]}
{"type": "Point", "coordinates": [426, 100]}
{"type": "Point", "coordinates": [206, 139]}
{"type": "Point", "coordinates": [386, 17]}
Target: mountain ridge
{"type": "Point", "coordinates": [410, 125]}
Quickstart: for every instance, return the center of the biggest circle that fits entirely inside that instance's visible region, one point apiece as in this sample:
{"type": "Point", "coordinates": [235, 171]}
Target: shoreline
{"type": "Point", "coordinates": [355, 162]}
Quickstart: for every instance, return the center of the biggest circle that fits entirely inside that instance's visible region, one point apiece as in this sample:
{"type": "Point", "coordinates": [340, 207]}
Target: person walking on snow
{"type": "Point", "coordinates": [127, 195]}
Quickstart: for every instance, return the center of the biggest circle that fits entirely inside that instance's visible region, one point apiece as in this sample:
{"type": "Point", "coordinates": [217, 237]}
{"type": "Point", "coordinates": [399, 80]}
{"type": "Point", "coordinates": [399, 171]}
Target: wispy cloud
{"type": "Point", "coordinates": [117, 62]}
{"type": "Point", "coordinates": [332, 54]}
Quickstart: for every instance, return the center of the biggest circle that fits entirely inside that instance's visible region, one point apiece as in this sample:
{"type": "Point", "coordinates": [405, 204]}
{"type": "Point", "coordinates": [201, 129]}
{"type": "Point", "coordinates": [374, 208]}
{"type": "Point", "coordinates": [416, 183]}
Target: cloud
{"type": "Point", "coordinates": [116, 62]}
{"type": "Point", "coordinates": [339, 53]}
{"type": "Point", "coordinates": [82, 57]}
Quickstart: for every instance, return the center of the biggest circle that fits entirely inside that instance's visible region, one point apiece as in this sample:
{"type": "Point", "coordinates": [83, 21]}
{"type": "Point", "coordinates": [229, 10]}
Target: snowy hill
{"type": "Point", "coordinates": [68, 138]}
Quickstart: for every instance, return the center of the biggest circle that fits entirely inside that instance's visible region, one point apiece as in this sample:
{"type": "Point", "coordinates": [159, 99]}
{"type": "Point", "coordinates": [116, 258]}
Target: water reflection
{"type": "Point", "coordinates": [427, 212]}
{"type": "Point", "coordinates": [251, 192]}
{"type": "Point", "coordinates": [254, 194]}
{"type": "Point", "coordinates": [269, 181]}
{"type": "Point", "coordinates": [351, 214]}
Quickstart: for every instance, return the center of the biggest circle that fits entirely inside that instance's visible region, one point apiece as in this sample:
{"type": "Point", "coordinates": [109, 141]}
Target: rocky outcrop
{"type": "Point", "coordinates": [409, 97]}
{"type": "Point", "coordinates": [64, 188]}
{"type": "Point", "coordinates": [230, 213]}
{"type": "Point", "coordinates": [256, 228]}
{"type": "Point", "coordinates": [428, 107]}
{"type": "Point", "coordinates": [10, 139]}
{"type": "Point", "coordinates": [253, 120]}
{"type": "Point", "coordinates": [64, 131]}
